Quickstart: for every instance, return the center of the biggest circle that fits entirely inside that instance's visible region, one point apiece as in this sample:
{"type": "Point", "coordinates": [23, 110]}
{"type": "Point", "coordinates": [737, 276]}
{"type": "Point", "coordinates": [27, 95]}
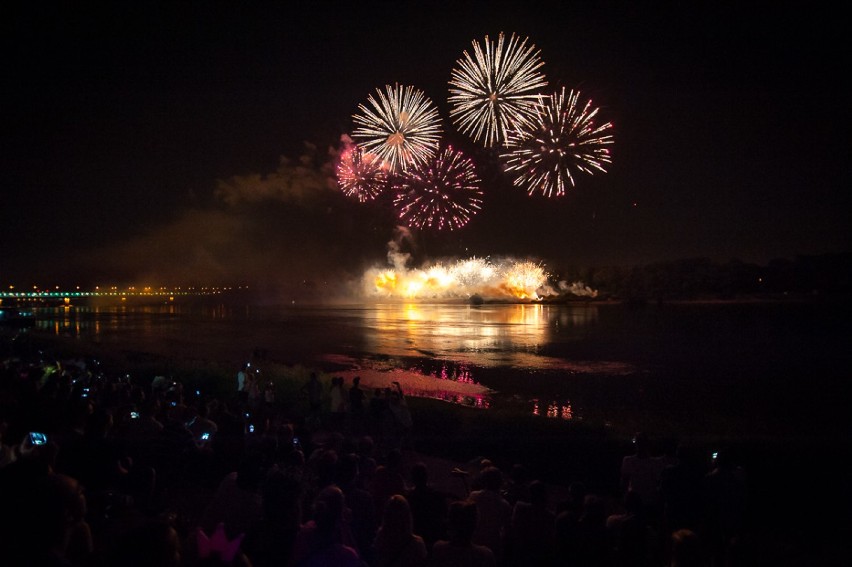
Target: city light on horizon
{"type": "Point", "coordinates": [113, 291]}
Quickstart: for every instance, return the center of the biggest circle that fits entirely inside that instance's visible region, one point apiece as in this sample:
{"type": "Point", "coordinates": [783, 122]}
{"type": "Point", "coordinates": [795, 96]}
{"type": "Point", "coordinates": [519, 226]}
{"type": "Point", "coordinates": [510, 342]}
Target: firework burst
{"type": "Point", "coordinates": [564, 139]}
{"type": "Point", "coordinates": [359, 175]}
{"type": "Point", "coordinates": [494, 90]}
{"type": "Point", "coordinates": [506, 278]}
{"type": "Point", "coordinates": [524, 279]}
{"type": "Point", "coordinates": [473, 271]}
{"type": "Point", "coordinates": [401, 127]}
{"type": "Point", "coordinates": [443, 193]}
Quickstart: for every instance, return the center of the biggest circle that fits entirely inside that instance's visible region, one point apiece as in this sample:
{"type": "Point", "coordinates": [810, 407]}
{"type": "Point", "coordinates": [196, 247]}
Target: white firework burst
{"type": "Point", "coordinates": [495, 90]}
{"type": "Point", "coordinates": [401, 126]}
{"type": "Point", "coordinates": [563, 139]}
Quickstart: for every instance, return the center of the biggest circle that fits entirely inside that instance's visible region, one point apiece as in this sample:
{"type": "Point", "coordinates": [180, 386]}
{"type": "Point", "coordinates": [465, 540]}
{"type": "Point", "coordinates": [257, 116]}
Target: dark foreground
{"type": "Point", "coordinates": [787, 499]}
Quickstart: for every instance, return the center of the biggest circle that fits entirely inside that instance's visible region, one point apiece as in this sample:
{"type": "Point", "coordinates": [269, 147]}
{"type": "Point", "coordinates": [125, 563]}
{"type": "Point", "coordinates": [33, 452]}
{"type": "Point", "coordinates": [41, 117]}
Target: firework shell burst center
{"type": "Point", "coordinates": [400, 125]}
{"type": "Point", "coordinates": [563, 140]}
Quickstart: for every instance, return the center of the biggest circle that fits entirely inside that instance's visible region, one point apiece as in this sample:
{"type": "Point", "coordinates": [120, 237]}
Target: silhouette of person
{"type": "Point", "coordinates": [396, 543]}
{"type": "Point", "coordinates": [532, 532]}
{"type": "Point", "coordinates": [326, 538]}
{"type": "Point", "coordinates": [428, 506]}
{"type": "Point", "coordinates": [356, 405]}
{"type": "Point", "coordinates": [640, 473]}
{"type": "Point", "coordinates": [495, 512]}
{"type": "Point", "coordinates": [724, 506]}
{"type": "Point", "coordinates": [313, 389]}
{"type": "Point", "coordinates": [686, 549]}
{"type": "Point", "coordinates": [242, 383]}
{"type": "Point", "coordinates": [459, 550]}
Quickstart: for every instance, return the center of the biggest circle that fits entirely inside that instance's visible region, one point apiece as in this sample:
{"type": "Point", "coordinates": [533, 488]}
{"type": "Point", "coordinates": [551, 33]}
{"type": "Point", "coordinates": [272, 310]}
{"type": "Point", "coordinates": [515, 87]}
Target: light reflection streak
{"type": "Point", "coordinates": [555, 409]}
{"type": "Point", "coordinates": [439, 351]}
{"type": "Point", "coordinates": [488, 335]}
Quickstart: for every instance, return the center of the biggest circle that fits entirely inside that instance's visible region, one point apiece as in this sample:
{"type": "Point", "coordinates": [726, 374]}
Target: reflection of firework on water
{"type": "Point", "coordinates": [493, 91]}
{"type": "Point", "coordinates": [360, 175]}
{"type": "Point", "coordinates": [508, 279]}
{"type": "Point", "coordinates": [525, 279]}
{"type": "Point", "coordinates": [564, 139]}
{"type": "Point", "coordinates": [554, 410]}
{"type": "Point", "coordinates": [442, 193]}
{"type": "Point", "coordinates": [455, 384]}
{"type": "Point", "coordinates": [401, 126]}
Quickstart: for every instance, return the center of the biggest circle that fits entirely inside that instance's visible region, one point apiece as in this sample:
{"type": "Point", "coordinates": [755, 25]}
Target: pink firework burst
{"type": "Point", "coordinates": [361, 175]}
{"type": "Point", "coordinates": [443, 193]}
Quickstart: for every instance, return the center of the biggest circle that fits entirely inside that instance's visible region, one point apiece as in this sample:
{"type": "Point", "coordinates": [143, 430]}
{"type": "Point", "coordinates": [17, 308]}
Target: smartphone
{"type": "Point", "coordinates": [38, 438]}
{"type": "Point", "coordinates": [205, 436]}
{"type": "Point", "coordinates": [251, 428]}
{"type": "Point", "coordinates": [173, 404]}
{"type": "Point", "coordinates": [295, 440]}
{"type": "Point", "coordinates": [134, 415]}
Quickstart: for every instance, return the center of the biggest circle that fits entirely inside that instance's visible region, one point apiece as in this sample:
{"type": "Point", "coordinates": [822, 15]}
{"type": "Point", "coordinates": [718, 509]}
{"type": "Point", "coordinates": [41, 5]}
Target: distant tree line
{"type": "Point", "coordinates": [702, 278]}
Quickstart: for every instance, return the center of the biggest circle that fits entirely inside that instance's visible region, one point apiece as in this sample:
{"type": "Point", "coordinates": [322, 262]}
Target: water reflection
{"type": "Point", "coordinates": [435, 351]}
{"type": "Point", "coordinates": [554, 409]}
{"type": "Point", "coordinates": [440, 381]}
{"type": "Point", "coordinates": [489, 335]}
{"type": "Point", "coordinates": [99, 322]}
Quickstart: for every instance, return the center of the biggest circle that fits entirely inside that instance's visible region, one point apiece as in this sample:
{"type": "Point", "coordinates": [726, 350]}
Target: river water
{"type": "Point", "coordinates": [775, 369]}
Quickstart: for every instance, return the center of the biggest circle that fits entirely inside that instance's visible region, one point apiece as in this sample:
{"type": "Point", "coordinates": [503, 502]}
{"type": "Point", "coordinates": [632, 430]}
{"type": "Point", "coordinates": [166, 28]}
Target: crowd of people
{"type": "Point", "coordinates": [100, 470]}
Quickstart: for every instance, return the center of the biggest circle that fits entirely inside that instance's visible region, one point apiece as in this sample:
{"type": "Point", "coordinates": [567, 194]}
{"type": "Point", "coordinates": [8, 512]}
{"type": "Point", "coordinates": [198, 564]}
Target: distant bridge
{"type": "Point", "coordinates": [54, 295]}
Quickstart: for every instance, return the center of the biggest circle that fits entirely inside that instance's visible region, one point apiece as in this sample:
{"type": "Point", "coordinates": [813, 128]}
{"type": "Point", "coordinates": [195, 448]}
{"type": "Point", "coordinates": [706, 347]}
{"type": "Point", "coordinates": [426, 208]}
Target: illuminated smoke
{"type": "Point", "coordinates": [396, 257]}
{"type": "Point", "coordinates": [506, 279]}
{"type": "Point", "coordinates": [298, 181]}
{"type": "Point", "coordinates": [578, 289]}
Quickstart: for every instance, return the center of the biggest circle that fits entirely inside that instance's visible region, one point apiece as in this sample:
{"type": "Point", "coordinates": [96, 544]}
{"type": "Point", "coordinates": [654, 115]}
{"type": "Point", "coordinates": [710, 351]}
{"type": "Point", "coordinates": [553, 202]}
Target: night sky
{"type": "Point", "coordinates": [166, 144]}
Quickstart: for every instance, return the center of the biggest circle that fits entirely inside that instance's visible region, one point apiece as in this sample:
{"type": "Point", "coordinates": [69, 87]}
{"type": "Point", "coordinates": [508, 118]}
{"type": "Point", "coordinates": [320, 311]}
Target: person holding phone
{"type": "Point", "coordinates": [33, 443]}
{"type": "Point", "coordinates": [640, 473]}
{"type": "Point", "coordinates": [401, 416]}
{"type": "Point", "coordinates": [203, 428]}
{"type": "Point", "coordinates": [242, 383]}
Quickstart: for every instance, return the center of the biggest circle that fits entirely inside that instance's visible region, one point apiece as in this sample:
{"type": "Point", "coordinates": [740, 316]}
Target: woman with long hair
{"type": "Point", "coordinates": [395, 543]}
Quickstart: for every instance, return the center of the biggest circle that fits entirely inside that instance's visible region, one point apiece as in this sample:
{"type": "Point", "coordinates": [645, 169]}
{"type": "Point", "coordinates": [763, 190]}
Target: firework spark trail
{"type": "Point", "coordinates": [401, 126]}
{"type": "Point", "coordinates": [564, 137]}
{"type": "Point", "coordinates": [443, 193]}
{"type": "Point", "coordinates": [359, 175]}
{"type": "Point", "coordinates": [494, 90]}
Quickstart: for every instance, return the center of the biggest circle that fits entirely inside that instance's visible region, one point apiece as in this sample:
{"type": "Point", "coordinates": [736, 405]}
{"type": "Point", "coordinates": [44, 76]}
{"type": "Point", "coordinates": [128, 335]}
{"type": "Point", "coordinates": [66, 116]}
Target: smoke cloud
{"type": "Point", "coordinates": [289, 229]}
{"type": "Point", "coordinates": [292, 235]}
